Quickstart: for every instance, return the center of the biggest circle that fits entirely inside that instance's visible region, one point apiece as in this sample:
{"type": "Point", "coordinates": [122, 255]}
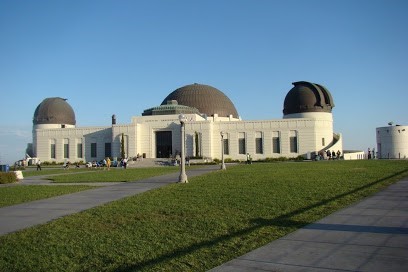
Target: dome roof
{"type": "Point", "coordinates": [208, 100]}
{"type": "Point", "coordinates": [54, 110]}
{"type": "Point", "coordinates": [307, 97]}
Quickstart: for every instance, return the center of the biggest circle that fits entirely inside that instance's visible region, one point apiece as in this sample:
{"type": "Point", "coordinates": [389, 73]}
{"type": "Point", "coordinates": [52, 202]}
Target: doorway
{"type": "Point", "coordinates": [164, 145]}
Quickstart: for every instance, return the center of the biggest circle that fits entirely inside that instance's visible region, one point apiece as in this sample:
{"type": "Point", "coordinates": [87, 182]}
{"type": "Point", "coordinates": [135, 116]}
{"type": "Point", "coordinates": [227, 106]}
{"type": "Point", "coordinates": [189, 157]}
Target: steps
{"type": "Point", "coordinates": [148, 162]}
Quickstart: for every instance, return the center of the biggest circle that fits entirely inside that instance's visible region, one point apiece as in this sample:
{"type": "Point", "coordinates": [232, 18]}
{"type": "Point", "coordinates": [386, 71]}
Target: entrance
{"type": "Point", "coordinates": [163, 144]}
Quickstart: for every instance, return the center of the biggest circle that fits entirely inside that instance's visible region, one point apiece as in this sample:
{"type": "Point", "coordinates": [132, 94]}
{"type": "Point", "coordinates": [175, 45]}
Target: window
{"type": "Point", "coordinates": [108, 150]}
{"type": "Point", "coordinates": [323, 142]}
{"type": "Point", "coordinates": [66, 148]}
{"type": "Point", "coordinates": [293, 141]}
{"type": "Point", "coordinates": [53, 155]}
{"type": "Point", "coordinates": [258, 143]}
{"type": "Point", "coordinates": [79, 151]}
{"type": "Point", "coordinates": [93, 150]}
{"type": "Point", "coordinates": [275, 142]}
{"type": "Point", "coordinates": [66, 151]}
{"type": "Point", "coordinates": [241, 143]}
{"type": "Point", "coordinates": [226, 146]}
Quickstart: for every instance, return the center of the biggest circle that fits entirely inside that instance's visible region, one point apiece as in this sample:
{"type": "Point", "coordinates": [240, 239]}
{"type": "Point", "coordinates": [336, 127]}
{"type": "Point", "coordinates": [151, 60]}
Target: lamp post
{"type": "Point", "coordinates": [183, 176]}
{"type": "Point", "coordinates": [223, 167]}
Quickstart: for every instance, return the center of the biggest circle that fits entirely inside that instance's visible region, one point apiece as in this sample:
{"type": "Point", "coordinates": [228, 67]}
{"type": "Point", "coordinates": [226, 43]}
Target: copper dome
{"type": "Point", "coordinates": [307, 97]}
{"type": "Point", "coordinates": [54, 110]}
{"type": "Point", "coordinates": [208, 100]}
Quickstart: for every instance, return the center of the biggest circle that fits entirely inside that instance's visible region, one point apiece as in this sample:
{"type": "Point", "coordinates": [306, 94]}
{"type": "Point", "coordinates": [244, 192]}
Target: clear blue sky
{"type": "Point", "coordinates": [121, 57]}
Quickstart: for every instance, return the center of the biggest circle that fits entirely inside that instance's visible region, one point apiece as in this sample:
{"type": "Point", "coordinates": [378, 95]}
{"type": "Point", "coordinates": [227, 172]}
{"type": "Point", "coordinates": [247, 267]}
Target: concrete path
{"type": "Point", "coordinates": [21, 216]}
{"type": "Point", "coordinates": [371, 235]}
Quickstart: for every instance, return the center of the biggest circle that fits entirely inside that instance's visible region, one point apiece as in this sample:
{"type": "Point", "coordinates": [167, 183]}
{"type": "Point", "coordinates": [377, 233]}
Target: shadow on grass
{"type": "Point", "coordinates": [280, 221]}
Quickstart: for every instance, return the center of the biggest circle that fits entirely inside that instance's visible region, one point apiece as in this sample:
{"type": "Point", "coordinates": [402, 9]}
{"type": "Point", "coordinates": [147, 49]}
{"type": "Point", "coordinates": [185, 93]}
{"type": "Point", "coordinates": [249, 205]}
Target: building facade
{"type": "Point", "coordinates": [392, 142]}
{"type": "Point", "coordinates": [305, 129]}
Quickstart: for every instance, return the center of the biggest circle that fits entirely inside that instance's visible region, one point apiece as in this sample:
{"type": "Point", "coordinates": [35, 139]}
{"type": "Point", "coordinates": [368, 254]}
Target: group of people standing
{"type": "Point", "coordinates": [328, 155]}
{"type": "Point", "coordinates": [333, 155]}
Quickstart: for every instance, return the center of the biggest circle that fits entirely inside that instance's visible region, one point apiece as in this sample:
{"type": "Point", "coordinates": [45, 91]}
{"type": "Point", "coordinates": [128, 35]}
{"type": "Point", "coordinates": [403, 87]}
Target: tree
{"type": "Point", "coordinates": [122, 146]}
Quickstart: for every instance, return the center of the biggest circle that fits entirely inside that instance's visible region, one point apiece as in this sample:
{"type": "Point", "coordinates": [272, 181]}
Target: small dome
{"type": "Point", "coordinates": [208, 100]}
{"type": "Point", "coordinates": [307, 97]}
{"type": "Point", "coordinates": [54, 110]}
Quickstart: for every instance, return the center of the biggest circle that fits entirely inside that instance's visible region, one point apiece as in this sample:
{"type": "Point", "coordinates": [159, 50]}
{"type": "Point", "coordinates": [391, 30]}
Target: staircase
{"type": "Point", "coordinates": [148, 162]}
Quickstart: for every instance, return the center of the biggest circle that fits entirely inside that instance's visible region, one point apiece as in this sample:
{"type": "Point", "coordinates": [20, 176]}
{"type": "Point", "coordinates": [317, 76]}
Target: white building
{"type": "Point", "coordinates": [306, 128]}
{"type": "Point", "coordinates": [392, 142]}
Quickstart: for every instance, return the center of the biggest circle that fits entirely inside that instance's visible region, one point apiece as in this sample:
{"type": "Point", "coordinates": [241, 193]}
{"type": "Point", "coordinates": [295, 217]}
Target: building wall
{"type": "Point", "coordinates": [44, 138]}
{"type": "Point", "coordinates": [309, 133]}
{"type": "Point", "coordinates": [140, 137]}
{"type": "Point", "coordinates": [392, 142]}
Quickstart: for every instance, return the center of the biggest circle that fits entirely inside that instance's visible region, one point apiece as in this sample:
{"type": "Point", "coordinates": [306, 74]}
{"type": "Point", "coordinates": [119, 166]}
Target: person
{"type": "Point", "coordinates": [333, 154]}
{"type": "Point", "coordinates": [66, 165]}
{"type": "Point", "coordinates": [108, 163]}
{"type": "Point", "coordinates": [105, 163]}
{"type": "Point", "coordinates": [328, 153]}
{"type": "Point", "coordinates": [188, 160]}
{"type": "Point", "coordinates": [124, 163]}
{"type": "Point", "coordinates": [39, 165]}
{"type": "Point", "coordinates": [248, 161]}
{"type": "Point", "coordinates": [338, 154]}
{"type": "Point", "coordinates": [321, 155]}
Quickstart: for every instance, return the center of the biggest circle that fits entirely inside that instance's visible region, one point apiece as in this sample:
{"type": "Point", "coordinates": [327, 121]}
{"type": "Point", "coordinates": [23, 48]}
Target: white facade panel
{"type": "Point", "coordinates": [392, 142]}
{"type": "Point", "coordinates": [140, 138]}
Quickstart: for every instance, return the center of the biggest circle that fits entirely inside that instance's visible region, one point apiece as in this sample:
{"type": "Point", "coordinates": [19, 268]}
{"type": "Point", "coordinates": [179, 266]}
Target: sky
{"type": "Point", "coordinates": [122, 57]}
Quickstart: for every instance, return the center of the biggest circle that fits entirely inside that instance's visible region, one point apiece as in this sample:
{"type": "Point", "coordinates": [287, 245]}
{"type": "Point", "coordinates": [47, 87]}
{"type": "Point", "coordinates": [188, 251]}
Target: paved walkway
{"type": "Point", "coordinates": [21, 216]}
{"type": "Point", "coordinates": [371, 235]}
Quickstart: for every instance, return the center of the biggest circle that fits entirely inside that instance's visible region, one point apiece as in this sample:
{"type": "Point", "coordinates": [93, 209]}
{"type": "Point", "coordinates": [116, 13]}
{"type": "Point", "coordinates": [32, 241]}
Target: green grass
{"type": "Point", "coordinates": [12, 195]}
{"type": "Point", "coordinates": [199, 225]}
{"type": "Point", "coordinates": [114, 175]}
{"type": "Point", "coordinates": [52, 171]}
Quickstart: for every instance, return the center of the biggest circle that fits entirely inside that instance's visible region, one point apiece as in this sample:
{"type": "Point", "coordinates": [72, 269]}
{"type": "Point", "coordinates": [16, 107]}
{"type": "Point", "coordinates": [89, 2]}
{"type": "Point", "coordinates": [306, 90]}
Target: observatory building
{"type": "Point", "coordinates": [392, 142]}
{"type": "Point", "coordinates": [305, 129]}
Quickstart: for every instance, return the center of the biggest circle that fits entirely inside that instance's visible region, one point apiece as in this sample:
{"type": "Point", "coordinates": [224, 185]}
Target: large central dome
{"type": "Point", "coordinates": [208, 100]}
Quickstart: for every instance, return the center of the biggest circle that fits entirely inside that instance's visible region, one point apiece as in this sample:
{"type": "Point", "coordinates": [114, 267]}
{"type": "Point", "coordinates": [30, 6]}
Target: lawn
{"type": "Point", "coordinates": [113, 175]}
{"type": "Point", "coordinates": [52, 171]}
{"type": "Point", "coordinates": [60, 175]}
{"type": "Point", "coordinates": [12, 195]}
{"type": "Point", "coordinates": [199, 225]}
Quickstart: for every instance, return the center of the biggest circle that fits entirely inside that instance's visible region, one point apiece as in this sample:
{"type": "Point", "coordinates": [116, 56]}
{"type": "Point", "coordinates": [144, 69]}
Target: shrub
{"type": "Point", "coordinates": [280, 159]}
{"type": "Point", "coordinates": [299, 158]}
{"type": "Point", "coordinates": [230, 160]}
{"type": "Point", "coordinates": [9, 177]}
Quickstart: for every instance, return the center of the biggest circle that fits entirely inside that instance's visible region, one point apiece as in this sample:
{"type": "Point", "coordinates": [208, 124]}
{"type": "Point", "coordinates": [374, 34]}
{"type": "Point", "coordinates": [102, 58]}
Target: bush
{"type": "Point", "coordinates": [228, 160]}
{"type": "Point", "coordinates": [299, 158]}
{"type": "Point", "coordinates": [9, 177]}
{"type": "Point", "coordinates": [280, 159]}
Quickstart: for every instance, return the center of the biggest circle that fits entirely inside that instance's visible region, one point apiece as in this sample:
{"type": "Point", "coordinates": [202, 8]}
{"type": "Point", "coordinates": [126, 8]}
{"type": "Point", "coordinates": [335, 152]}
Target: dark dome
{"type": "Point", "coordinates": [54, 110]}
{"type": "Point", "coordinates": [307, 97]}
{"type": "Point", "coordinates": [208, 100]}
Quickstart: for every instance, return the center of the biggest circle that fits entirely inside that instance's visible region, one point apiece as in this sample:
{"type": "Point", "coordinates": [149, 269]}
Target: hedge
{"type": "Point", "coordinates": [9, 177]}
